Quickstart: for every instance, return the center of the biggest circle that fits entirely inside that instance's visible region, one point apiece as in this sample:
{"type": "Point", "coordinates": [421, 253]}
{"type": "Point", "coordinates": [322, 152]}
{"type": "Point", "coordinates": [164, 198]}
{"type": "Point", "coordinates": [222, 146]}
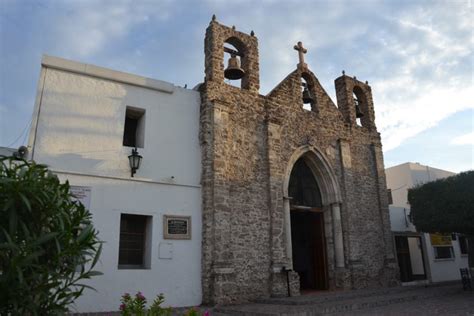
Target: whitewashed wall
{"type": "Point", "coordinates": [78, 131]}
{"type": "Point", "coordinates": [399, 221]}
{"type": "Point", "coordinates": [446, 269]}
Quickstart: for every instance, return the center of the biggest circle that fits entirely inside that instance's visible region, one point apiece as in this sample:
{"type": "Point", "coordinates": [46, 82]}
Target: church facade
{"type": "Point", "coordinates": [267, 195]}
{"type": "Point", "coordinates": [289, 194]}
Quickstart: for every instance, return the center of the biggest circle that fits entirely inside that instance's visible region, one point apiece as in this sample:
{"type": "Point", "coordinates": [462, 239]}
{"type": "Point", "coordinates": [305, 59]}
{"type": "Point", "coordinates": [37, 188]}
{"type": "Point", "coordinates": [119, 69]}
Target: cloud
{"type": "Point", "coordinates": [401, 121]}
{"type": "Point", "coordinates": [90, 26]}
{"type": "Point", "coordinates": [431, 74]}
{"type": "Point", "coordinates": [467, 139]}
{"type": "Point", "coordinates": [415, 54]}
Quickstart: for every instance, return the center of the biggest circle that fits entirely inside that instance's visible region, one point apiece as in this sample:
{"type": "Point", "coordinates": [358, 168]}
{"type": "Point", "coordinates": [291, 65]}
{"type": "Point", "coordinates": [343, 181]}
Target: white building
{"type": "Point", "coordinates": [6, 151]}
{"type": "Point", "coordinates": [421, 256]}
{"type": "Point", "coordinates": [87, 120]}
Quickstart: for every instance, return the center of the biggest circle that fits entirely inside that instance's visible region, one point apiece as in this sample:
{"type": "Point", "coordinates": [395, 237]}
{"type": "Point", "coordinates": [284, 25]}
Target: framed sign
{"type": "Point", "coordinates": [440, 239]}
{"type": "Point", "coordinates": [176, 227]}
{"type": "Point", "coordinates": [81, 194]}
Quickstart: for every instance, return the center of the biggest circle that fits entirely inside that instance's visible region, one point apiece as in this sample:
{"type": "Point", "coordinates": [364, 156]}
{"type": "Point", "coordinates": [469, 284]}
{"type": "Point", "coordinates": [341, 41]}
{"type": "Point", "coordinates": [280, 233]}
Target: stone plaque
{"type": "Point", "coordinates": [176, 227]}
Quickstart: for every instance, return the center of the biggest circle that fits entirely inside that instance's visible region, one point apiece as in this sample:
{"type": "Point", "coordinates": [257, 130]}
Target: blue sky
{"type": "Point", "coordinates": [416, 55]}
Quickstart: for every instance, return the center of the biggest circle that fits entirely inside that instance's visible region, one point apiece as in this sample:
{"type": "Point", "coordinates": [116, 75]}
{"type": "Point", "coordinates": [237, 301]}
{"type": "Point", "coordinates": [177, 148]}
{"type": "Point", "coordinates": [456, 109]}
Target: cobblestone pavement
{"type": "Point", "coordinates": [444, 299]}
{"type": "Point", "coordinates": [461, 303]}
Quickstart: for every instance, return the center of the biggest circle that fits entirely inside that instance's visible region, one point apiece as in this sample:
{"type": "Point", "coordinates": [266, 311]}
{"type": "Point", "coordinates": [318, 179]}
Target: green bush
{"type": "Point", "coordinates": [48, 244]}
{"type": "Point", "coordinates": [136, 306]}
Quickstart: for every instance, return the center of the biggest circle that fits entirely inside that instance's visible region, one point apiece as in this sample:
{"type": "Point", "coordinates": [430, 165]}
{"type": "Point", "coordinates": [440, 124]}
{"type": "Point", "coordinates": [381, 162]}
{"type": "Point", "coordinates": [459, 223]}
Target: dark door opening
{"type": "Point", "coordinates": [309, 255]}
{"type": "Point", "coordinates": [410, 258]}
{"type": "Point", "coordinates": [307, 228]}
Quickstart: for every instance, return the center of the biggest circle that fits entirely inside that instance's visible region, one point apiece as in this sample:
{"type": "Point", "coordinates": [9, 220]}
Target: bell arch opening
{"type": "Point", "coordinates": [235, 63]}
{"type": "Point", "coordinates": [307, 90]}
{"type": "Point", "coordinates": [360, 104]}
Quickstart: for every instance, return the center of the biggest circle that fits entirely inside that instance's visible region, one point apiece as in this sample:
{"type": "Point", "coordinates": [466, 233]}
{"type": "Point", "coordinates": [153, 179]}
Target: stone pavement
{"type": "Point", "coordinates": [444, 299]}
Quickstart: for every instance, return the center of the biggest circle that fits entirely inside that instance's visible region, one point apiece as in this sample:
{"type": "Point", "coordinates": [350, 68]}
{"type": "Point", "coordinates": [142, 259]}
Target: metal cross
{"type": "Point", "coordinates": [301, 51]}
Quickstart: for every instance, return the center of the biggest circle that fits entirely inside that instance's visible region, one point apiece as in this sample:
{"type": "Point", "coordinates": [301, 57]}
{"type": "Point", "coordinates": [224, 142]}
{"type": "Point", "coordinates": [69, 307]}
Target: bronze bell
{"type": "Point", "coordinates": [359, 113]}
{"type": "Point", "coordinates": [233, 70]}
{"type": "Point", "coordinates": [307, 97]}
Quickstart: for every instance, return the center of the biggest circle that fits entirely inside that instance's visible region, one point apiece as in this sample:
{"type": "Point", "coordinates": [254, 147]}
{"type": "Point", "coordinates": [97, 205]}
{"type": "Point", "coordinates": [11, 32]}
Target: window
{"type": "Point", "coordinates": [443, 252]}
{"type": "Point", "coordinates": [463, 244]}
{"type": "Point", "coordinates": [390, 197]}
{"type": "Point", "coordinates": [134, 130]}
{"type": "Point", "coordinates": [442, 246]}
{"type": "Point", "coordinates": [135, 240]}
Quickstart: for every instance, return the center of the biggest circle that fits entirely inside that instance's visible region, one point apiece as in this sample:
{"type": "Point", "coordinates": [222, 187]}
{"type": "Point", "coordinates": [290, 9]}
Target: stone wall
{"type": "Point", "coordinates": [248, 146]}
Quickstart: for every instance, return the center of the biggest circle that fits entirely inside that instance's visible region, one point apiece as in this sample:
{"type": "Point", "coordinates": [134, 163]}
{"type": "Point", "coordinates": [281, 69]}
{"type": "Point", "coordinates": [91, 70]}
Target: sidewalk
{"type": "Point", "coordinates": [442, 299]}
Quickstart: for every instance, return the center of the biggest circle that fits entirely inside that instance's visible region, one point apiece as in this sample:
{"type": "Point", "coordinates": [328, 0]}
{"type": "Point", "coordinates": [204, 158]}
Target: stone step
{"type": "Point", "coordinates": [322, 297]}
{"type": "Point", "coordinates": [318, 306]}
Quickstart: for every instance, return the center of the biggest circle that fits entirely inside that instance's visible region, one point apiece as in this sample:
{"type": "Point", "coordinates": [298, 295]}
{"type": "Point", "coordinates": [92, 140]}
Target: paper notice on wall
{"type": "Point", "coordinates": [440, 239]}
{"type": "Point", "coordinates": [82, 194]}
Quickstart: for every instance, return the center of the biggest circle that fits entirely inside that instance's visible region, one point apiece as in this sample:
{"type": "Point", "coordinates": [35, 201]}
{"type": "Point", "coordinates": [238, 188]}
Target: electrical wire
{"type": "Point", "coordinates": [22, 133]}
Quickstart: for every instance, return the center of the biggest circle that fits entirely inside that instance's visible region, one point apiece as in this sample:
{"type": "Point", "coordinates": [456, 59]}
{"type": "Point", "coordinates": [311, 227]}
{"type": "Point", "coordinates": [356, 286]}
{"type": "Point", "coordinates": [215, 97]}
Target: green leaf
{"type": "Point", "coordinates": [25, 200]}
{"type": "Point", "coordinates": [94, 273]}
{"type": "Point", "coordinates": [97, 256]}
{"type": "Point", "coordinates": [32, 256]}
{"type": "Point", "coordinates": [84, 233]}
{"type": "Point", "coordinates": [45, 238]}
{"type": "Point", "coordinates": [86, 286]}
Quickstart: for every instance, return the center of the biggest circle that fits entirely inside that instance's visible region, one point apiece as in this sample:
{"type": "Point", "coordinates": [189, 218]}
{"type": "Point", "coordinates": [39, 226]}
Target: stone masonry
{"type": "Point", "coordinates": [249, 144]}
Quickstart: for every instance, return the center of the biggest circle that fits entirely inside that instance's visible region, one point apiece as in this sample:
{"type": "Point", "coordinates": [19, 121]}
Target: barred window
{"type": "Point", "coordinates": [134, 233]}
{"type": "Point", "coordinates": [463, 244]}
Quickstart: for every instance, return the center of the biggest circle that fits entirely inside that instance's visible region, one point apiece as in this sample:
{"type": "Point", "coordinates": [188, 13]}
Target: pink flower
{"type": "Point", "coordinates": [140, 296]}
{"type": "Point", "coordinates": [122, 307]}
{"type": "Point", "coordinates": [126, 295]}
{"type": "Point", "coordinates": [206, 313]}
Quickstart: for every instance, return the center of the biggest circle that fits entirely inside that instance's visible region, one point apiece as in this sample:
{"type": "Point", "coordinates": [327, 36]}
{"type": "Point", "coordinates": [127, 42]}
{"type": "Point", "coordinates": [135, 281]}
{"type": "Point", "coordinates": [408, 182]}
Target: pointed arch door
{"type": "Point", "coordinates": [307, 228]}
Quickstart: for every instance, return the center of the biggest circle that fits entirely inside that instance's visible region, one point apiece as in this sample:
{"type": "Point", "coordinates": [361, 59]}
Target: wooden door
{"type": "Point", "coordinates": [403, 256]}
{"type": "Point", "coordinates": [309, 249]}
{"type": "Point", "coordinates": [319, 253]}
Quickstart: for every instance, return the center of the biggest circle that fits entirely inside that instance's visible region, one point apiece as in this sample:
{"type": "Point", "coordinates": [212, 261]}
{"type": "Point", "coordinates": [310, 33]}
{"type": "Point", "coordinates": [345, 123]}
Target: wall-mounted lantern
{"type": "Point", "coordinates": [21, 152]}
{"type": "Point", "coordinates": [134, 159]}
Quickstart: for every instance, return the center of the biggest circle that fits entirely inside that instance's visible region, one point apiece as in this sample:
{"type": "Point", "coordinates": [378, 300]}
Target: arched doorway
{"type": "Point", "coordinates": [308, 242]}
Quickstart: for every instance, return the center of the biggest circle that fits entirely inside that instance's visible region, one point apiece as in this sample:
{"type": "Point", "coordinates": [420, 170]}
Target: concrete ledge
{"type": "Point", "coordinates": [104, 73]}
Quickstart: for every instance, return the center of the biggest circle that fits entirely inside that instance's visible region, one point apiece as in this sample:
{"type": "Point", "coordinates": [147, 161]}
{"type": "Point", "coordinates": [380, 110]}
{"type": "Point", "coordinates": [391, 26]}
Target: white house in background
{"type": "Point", "coordinates": [6, 151]}
{"type": "Point", "coordinates": [421, 256]}
{"type": "Point", "coordinates": [86, 122]}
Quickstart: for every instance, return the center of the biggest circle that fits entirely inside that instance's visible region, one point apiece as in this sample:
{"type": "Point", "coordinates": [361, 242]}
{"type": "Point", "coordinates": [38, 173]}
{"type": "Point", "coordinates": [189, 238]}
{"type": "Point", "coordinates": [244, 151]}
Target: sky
{"type": "Point", "coordinates": [416, 55]}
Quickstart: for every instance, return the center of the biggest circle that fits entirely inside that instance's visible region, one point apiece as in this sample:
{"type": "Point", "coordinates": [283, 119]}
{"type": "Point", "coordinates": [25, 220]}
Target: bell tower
{"type": "Point", "coordinates": [354, 99]}
{"type": "Point", "coordinates": [231, 136]}
{"type": "Point", "coordinates": [243, 62]}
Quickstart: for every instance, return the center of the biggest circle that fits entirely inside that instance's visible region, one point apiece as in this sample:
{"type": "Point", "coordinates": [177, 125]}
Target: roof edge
{"type": "Point", "coordinates": [105, 73]}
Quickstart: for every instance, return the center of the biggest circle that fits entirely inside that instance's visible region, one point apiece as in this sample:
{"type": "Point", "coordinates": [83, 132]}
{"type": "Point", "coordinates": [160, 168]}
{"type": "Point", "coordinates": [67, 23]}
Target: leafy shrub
{"type": "Point", "coordinates": [194, 312]}
{"type": "Point", "coordinates": [136, 306]}
{"type": "Point", "coordinates": [47, 241]}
